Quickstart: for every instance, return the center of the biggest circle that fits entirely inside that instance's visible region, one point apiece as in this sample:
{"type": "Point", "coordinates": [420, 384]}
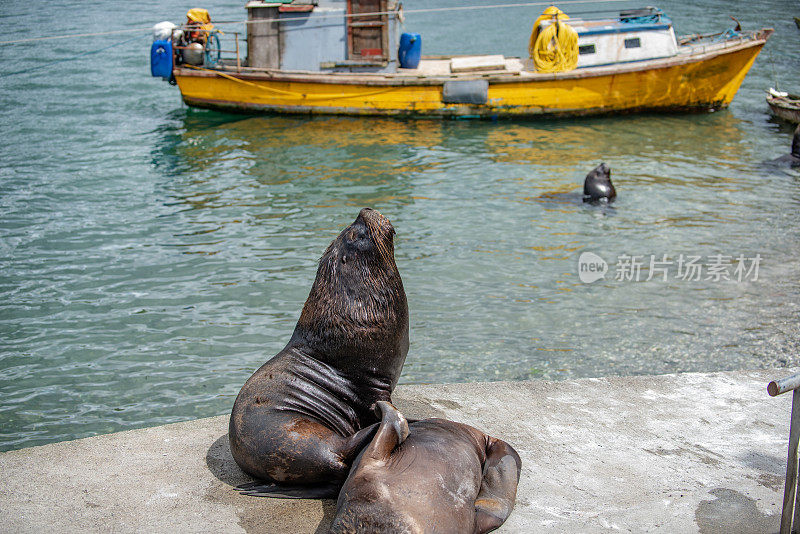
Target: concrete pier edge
{"type": "Point", "coordinates": [696, 452]}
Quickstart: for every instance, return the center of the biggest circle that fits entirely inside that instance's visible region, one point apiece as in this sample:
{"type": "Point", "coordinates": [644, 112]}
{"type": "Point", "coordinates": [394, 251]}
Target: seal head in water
{"type": "Point", "coordinates": [597, 186]}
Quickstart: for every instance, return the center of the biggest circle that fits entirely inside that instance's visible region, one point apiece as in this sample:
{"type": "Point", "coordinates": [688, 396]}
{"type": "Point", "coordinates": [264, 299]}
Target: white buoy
{"type": "Point", "coordinates": [163, 31]}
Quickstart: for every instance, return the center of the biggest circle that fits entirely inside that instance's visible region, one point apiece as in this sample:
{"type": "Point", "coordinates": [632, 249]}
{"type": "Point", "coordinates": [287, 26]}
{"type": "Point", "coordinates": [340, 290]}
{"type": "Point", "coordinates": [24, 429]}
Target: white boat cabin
{"type": "Point", "coordinates": [323, 35]}
{"type": "Point", "coordinates": [637, 35]}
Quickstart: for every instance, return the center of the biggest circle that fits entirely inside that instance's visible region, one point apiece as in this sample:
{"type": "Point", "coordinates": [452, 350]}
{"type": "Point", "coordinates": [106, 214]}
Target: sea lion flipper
{"type": "Point", "coordinates": [393, 430]}
{"type": "Point", "coordinates": [278, 491]}
{"type": "Point", "coordinates": [495, 499]}
{"type": "Point", "coordinates": [355, 443]}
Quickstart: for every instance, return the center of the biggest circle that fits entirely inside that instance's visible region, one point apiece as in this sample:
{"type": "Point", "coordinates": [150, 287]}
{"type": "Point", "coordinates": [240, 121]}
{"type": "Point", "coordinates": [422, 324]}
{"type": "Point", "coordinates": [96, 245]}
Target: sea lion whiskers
{"type": "Point", "coordinates": [381, 231]}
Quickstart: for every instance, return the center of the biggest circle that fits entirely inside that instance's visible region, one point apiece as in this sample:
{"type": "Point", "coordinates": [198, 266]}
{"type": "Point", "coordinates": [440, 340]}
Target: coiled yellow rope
{"type": "Point", "coordinates": [555, 49]}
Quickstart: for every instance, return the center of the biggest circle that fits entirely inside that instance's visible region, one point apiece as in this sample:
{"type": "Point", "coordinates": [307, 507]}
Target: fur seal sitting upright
{"type": "Point", "coordinates": [302, 417]}
{"type": "Point", "coordinates": [598, 187]}
{"type": "Point", "coordinates": [430, 476]}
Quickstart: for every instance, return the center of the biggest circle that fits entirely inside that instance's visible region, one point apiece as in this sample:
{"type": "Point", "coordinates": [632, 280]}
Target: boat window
{"type": "Point", "coordinates": [586, 49]}
{"type": "Point", "coordinates": [633, 43]}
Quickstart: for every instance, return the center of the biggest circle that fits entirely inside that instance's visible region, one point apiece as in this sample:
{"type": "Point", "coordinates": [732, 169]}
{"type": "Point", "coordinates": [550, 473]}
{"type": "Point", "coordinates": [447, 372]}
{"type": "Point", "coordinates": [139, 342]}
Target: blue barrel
{"type": "Point", "coordinates": [410, 50]}
{"type": "Point", "coordinates": [161, 59]}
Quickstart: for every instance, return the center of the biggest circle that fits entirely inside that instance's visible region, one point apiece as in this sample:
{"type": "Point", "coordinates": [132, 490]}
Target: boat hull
{"type": "Point", "coordinates": [695, 82]}
{"type": "Point", "coordinates": [788, 110]}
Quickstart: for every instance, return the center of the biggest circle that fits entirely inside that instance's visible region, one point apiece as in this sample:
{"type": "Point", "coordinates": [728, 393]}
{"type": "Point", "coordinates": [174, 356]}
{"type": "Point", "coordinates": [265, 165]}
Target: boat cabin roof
{"type": "Point", "coordinates": [636, 20]}
{"type": "Point", "coordinates": [609, 26]}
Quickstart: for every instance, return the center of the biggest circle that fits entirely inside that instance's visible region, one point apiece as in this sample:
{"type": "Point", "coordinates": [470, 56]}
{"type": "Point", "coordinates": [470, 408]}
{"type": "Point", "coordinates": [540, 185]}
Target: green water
{"type": "Point", "coordinates": [152, 256]}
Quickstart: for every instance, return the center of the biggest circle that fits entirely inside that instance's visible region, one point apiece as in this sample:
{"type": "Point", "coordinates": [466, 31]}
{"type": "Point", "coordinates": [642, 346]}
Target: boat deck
{"type": "Point", "coordinates": [495, 68]}
{"type": "Point", "coordinates": [443, 66]}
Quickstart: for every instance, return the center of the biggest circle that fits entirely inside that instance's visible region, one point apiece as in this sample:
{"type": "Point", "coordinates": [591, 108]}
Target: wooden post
{"type": "Point", "coordinates": [238, 61]}
{"type": "Point", "coordinates": [790, 489]}
{"type": "Point", "coordinates": [263, 35]}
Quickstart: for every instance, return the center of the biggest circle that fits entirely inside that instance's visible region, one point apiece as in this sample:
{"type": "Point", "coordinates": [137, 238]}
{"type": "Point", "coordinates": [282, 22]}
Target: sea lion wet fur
{"type": "Point", "coordinates": [302, 417]}
{"type": "Point", "coordinates": [432, 476]}
{"type": "Point", "coordinates": [597, 186]}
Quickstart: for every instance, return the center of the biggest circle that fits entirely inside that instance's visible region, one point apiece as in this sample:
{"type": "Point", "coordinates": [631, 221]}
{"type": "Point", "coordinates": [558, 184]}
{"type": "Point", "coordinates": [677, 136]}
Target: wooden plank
{"type": "Point", "coordinates": [376, 62]}
{"type": "Point", "coordinates": [375, 24]}
{"type": "Point", "coordinates": [258, 3]}
{"type": "Point", "coordinates": [298, 8]}
{"type": "Point", "coordinates": [477, 63]}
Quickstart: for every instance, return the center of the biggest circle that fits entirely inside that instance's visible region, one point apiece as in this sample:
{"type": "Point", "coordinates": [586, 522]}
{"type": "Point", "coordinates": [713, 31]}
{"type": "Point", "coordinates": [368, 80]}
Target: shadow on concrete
{"type": "Point", "coordinates": [222, 465]}
{"type": "Point", "coordinates": [329, 512]}
{"type": "Point", "coordinates": [760, 461]}
{"type": "Point", "coordinates": [259, 514]}
{"type": "Point", "coordinates": [771, 469]}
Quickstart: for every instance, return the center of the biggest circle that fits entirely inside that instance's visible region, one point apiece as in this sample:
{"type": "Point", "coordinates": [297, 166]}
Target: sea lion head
{"type": "Point", "coordinates": [796, 142]}
{"type": "Point", "coordinates": [357, 305]}
{"type": "Point", "coordinates": [597, 186]}
{"type": "Point", "coordinates": [359, 261]}
{"type": "Point", "coordinates": [364, 245]}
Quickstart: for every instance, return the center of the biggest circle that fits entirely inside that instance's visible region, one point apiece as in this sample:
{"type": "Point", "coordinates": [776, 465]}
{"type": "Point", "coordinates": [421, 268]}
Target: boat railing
{"type": "Point", "coordinates": [701, 43]}
{"type": "Point", "coordinates": [222, 50]}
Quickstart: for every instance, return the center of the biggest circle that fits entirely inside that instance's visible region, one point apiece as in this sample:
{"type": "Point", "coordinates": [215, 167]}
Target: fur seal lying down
{"type": "Point", "coordinates": [597, 186]}
{"type": "Point", "coordinates": [430, 476]}
{"type": "Point", "coordinates": [301, 419]}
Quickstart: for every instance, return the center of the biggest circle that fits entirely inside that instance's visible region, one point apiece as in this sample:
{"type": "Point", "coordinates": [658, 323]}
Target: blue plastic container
{"type": "Point", "coordinates": [410, 50]}
{"type": "Point", "coordinates": [161, 59]}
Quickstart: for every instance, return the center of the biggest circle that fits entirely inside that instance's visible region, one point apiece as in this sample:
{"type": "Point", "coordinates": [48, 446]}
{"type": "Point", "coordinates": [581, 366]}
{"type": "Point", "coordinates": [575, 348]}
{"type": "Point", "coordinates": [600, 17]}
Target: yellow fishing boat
{"type": "Point", "coordinates": [346, 57]}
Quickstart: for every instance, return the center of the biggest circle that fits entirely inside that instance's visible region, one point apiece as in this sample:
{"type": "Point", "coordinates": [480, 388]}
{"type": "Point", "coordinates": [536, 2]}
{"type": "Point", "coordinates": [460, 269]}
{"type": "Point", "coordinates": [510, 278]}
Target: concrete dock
{"type": "Point", "coordinates": [676, 453]}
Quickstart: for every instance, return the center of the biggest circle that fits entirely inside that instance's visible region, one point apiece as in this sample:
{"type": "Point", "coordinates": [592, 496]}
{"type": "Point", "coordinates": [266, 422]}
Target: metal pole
{"type": "Point", "coordinates": [796, 521]}
{"type": "Point", "coordinates": [790, 489]}
{"type": "Point", "coordinates": [776, 387]}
